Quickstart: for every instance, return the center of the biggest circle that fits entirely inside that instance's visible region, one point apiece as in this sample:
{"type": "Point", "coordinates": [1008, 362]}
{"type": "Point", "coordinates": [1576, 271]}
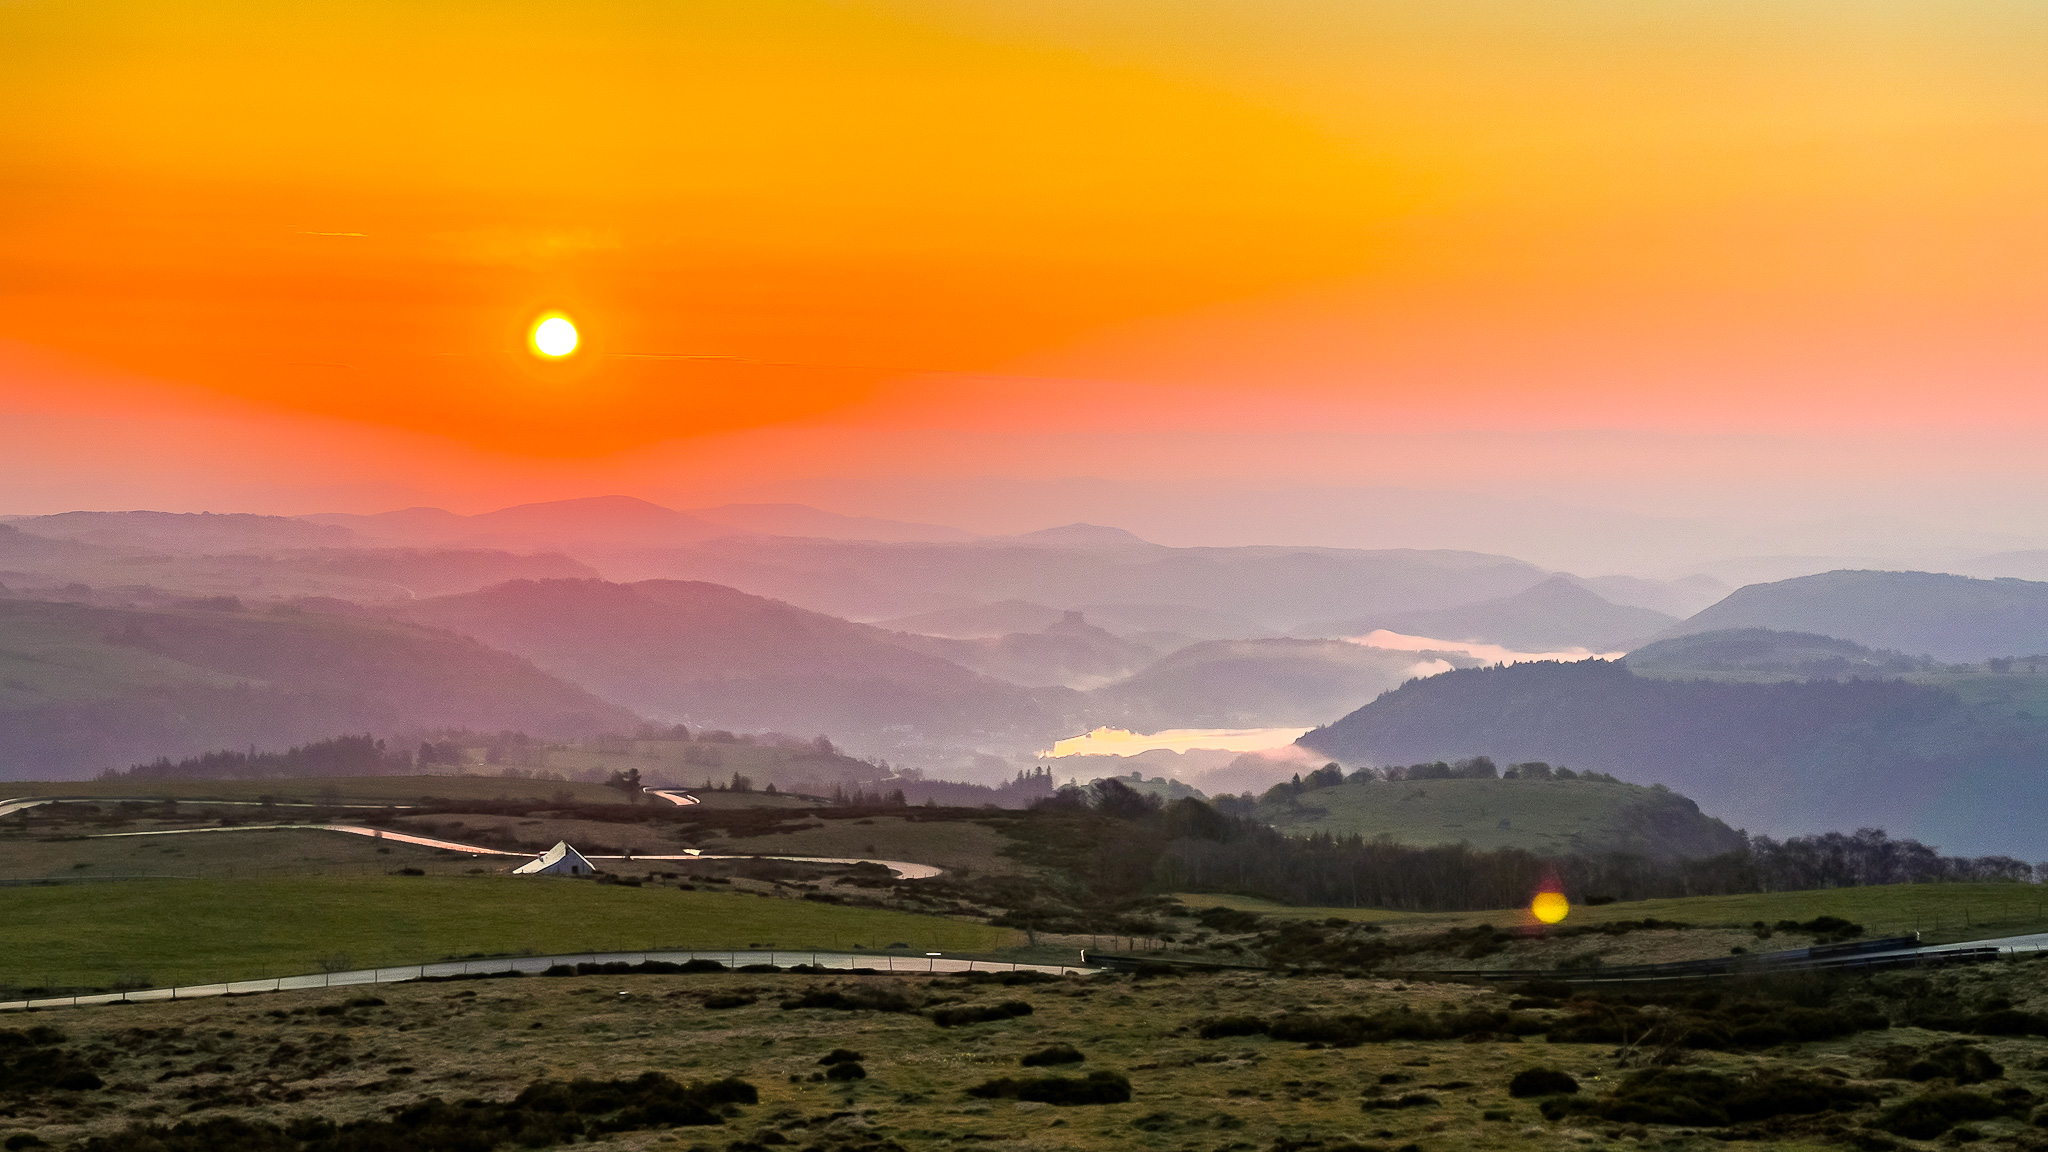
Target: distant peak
{"type": "Point", "coordinates": [1091, 536]}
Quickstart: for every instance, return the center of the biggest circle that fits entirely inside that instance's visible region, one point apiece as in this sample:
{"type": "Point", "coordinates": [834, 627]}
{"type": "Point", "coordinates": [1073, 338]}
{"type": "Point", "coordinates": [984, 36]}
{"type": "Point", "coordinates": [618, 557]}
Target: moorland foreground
{"type": "Point", "coordinates": [1312, 1028]}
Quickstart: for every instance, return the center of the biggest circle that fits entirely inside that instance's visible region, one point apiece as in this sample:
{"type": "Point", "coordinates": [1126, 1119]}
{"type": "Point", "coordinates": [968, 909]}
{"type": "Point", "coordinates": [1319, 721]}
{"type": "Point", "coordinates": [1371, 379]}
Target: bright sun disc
{"type": "Point", "coordinates": [1549, 907]}
{"type": "Point", "coordinates": [554, 336]}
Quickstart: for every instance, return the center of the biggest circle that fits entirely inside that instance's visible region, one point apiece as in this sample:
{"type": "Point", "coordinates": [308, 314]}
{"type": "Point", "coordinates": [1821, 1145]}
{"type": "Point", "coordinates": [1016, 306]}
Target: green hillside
{"type": "Point", "coordinates": [187, 930]}
{"type": "Point", "coordinates": [1549, 817]}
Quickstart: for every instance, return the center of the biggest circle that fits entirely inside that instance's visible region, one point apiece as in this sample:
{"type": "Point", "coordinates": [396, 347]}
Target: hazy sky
{"type": "Point", "coordinates": [1653, 258]}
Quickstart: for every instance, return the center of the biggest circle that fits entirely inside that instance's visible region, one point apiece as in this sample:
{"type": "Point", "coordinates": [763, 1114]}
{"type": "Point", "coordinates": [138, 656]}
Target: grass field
{"type": "Point", "coordinates": [1940, 912]}
{"type": "Point", "coordinates": [186, 931]}
{"type": "Point", "coordinates": [223, 855]}
{"type": "Point", "coordinates": [1548, 817]}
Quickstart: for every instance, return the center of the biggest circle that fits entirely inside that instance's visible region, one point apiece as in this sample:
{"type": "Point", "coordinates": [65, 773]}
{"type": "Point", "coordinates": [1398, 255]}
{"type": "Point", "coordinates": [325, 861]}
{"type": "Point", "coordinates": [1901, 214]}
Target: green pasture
{"type": "Point", "coordinates": [225, 855]}
{"type": "Point", "coordinates": [1941, 913]}
{"type": "Point", "coordinates": [1548, 817]}
{"type": "Point", "coordinates": [195, 931]}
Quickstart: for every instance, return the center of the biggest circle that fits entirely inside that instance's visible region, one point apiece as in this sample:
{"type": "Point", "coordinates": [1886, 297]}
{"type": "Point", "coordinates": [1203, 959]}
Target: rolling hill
{"type": "Point", "coordinates": [1955, 618]}
{"type": "Point", "coordinates": [703, 654]}
{"type": "Point", "coordinates": [85, 688]}
{"type": "Point", "coordinates": [1556, 615]}
{"type": "Point", "coordinates": [1547, 817]}
{"type": "Point", "coordinates": [1255, 684]}
{"type": "Point", "coordinates": [1759, 654]}
{"type": "Point", "coordinates": [1069, 652]}
{"type": "Point", "coordinates": [1956, 761]}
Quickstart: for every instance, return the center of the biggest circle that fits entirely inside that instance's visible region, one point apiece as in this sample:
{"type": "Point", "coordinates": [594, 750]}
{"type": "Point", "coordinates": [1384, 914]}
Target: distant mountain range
{"type": "Point", "coordinates": [746, 617]}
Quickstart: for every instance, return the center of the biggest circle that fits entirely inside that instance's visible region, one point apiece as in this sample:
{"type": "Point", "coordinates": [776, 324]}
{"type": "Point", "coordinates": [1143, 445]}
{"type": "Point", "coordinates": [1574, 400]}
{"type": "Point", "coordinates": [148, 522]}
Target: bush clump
{"type": "Point", "coordinates": [1349, 1031]}
{"type": "Point", "coordinates": [851, 1070]}
{"type": "Point", "coordinates": [1094, 1088]}
{"type": "Point", "coordinates": [1931, 1113]}
{"type": "Point", "coordinates": [1054, 1054]}
{"type": "Point", "coordinates": [1542, 1082]}
{"type": "Point", "coordinates": [1225, 1026]}
{"type": "Point", "coordinates": [724, 1000]}
{"type": "Point", "coordinates": [1957, 1060]}
{"type": "Point", "coordinates": [1410, 1100]}
{"type": "Point", "coordinates": [548, 1112]}
{"type": "Point", "coordinates": [2009, 1022]}
{"type": "Point", "coordinates": [1697, 1098]}
{"type": "Point", "coordinates": [645, 968]}
{"type": "Point", "coordinates": [856, 998]}
{"type": "Point", "coordinates": [36, 1061]}
{"type": "Point", "coordinates": [840, 1056]}
{"type": "Point", "coordinates": [979, 1013]}
{"type": "Point", "coordinates": [1714, 1026]}
{"type": "Point", "coordinates": [1831, 927]}
{"type": "Point", "coordinates": [1007, 979]}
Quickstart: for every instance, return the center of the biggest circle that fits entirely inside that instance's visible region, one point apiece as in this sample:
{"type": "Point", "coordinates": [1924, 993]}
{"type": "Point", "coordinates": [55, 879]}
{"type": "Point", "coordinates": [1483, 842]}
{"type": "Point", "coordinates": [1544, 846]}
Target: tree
{"type": "Point", "coordinates": [627, 782]}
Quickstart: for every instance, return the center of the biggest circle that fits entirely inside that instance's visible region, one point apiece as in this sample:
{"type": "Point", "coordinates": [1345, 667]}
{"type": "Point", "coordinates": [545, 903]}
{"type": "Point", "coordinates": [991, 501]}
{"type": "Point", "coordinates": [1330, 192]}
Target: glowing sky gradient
{"type": "Point", "coordinates": [296, 249]}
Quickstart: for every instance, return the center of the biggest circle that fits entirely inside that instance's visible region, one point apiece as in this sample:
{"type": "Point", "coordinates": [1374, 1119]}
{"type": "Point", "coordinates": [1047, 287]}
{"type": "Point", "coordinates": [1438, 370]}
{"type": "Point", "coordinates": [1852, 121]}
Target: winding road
{"type": "Point", "coordinates": [904, 869]}
{"type": "Point", "coordinates": [534, 965]}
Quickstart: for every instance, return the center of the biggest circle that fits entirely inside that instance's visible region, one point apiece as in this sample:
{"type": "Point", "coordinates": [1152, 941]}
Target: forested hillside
{"type": "Point", "coordinates": [1956, 764]}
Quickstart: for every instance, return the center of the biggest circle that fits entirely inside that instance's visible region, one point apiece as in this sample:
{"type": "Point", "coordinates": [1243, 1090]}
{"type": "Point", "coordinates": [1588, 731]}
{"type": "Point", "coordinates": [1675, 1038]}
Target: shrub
{"type": "Point", "coordinates": [1008, 979]}
{"type": "Point", "coordinates": [1228, 920]}
{"type": "Point", "coordinates": [548, 1112]}
{"type": "Point", "coordinates": [979, 1013]}
{"type": "Point", "coordinates": [1959, 1060]}
{"type": "Point", "coordinates": [1056, 1054]}
{"type": "Point", "coordinates": [724, 1000]}
{"type": "Point", "coordinates": [1094, 1088]}
{"type": "Point", "coordinates": [1411, 1100]}
{"type": "Point", "coordinates": [1701, 1099]}
{"type": "Point", "coordinates": [1224, 1026]}
{"type": "Point", "coordinates": [857, 998]}
{"type": "Point", "coordinates": [2009, 1022]}
{"type": "Point", "coordinates": [1542, 1082]}
{"type": "Point", "coordinates": [840, 1056]}
{"type": "Point", "coordinates": [851, 1070]}
{"type": "Point", "coordinates": [1930, 1114]}
{"type": "Point", "coordinates": [35, 1061]}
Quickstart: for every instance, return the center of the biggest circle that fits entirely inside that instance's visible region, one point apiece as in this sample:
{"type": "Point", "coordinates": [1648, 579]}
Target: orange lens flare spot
{"type": "Point", "coordinates": [554, 337]}
{"type": "Point", "coordinates": [1550, 907]}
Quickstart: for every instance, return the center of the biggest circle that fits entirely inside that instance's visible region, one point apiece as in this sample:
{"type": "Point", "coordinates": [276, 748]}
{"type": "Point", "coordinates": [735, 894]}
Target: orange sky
{"type": "Point", "coordinates": [297, 247]}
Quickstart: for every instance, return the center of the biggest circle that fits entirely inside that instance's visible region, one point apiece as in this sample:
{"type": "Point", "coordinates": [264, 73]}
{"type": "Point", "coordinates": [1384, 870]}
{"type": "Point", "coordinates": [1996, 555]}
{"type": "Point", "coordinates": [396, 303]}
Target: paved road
{"type": "Point", "coordinates": [10, 807]}
{"type": "Point", "coordinates": [906, 964]}
{"type": "Point", "coordinates": [905, 869]}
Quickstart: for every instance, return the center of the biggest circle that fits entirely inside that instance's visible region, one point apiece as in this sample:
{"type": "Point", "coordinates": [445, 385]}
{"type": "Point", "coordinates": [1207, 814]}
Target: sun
{"type": "Point", "coordinates": [554, 337]}
{"type": "Point", "coordinates": [1549, 907]}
